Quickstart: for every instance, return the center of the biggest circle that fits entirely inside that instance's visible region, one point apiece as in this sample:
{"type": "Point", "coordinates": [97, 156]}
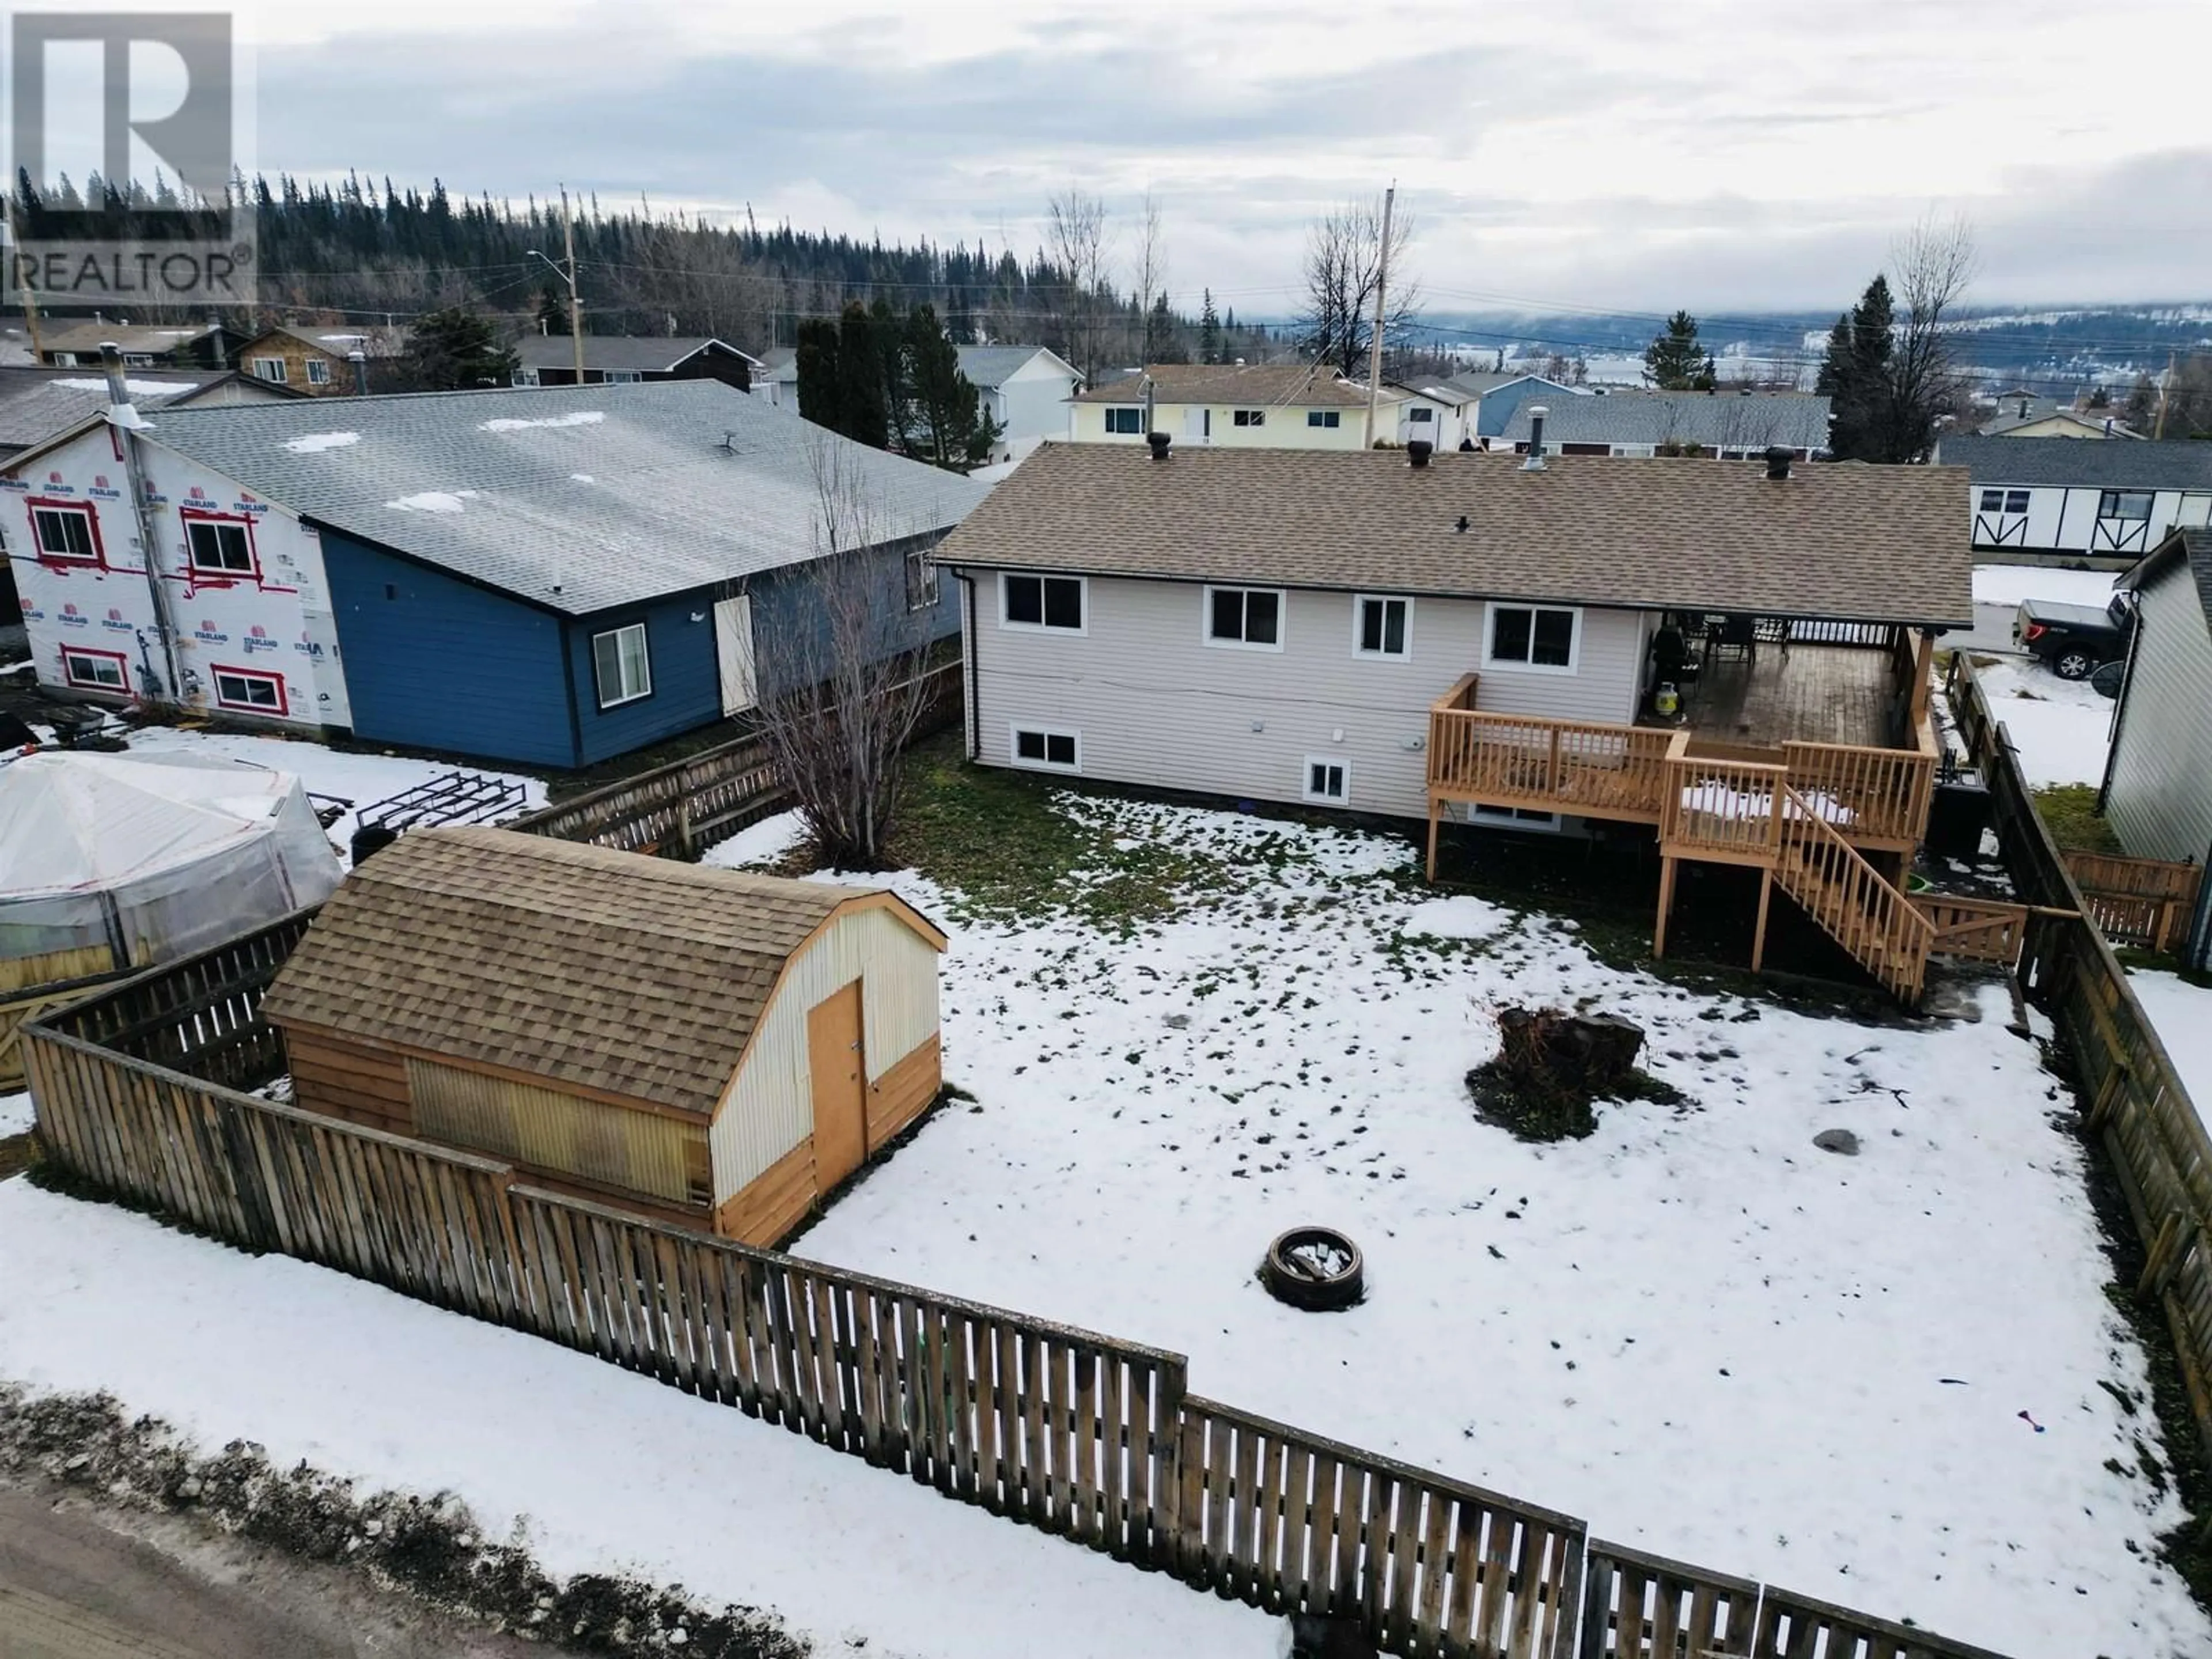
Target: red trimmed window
{"type": "Point", "coordinates": [66, 532]}
{"type": "Point", "coordinates": [215, 545]}
{"type": "Point", "coordinates": [250, 691]}
{"type": "Point", "coordinates": [95, 671]}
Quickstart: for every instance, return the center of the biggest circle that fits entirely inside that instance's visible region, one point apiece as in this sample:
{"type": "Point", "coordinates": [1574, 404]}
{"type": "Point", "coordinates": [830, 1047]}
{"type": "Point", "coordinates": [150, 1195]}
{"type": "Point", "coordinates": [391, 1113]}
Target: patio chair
{"type": "Point", "coordinates": [1736, 633]}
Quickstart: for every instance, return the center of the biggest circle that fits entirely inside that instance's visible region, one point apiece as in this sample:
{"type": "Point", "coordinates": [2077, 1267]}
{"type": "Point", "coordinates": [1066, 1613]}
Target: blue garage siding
{"type": "Point", "coordinates": [687, 690]}
{"type": "Point", "coordinates": [433, 662]}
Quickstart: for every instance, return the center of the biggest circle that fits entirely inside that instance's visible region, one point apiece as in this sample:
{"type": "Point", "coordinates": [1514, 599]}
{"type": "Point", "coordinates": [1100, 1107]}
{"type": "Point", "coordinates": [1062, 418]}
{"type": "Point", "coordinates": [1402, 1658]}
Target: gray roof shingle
{"type": "Point", "coordinates": [37, 403]}
{"type": "Point", "coordinates": [989, 366]}
{"type": "Point", "coordinates": [2082, 463]}
{"type": "Point", "coordinates": [623, 353]}
{"type": "Point", "coordinates": [1843, 541]}
{"type": "Point", "coordinates": [578, 498]}
{"type": "Point", "coordinates": [1718, 420]}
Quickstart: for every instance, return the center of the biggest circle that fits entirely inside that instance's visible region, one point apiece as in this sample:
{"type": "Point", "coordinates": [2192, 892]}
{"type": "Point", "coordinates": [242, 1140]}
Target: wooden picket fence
{"type": "Point", "coordinates": [140, 1090]}
{"type": "Point", "coordinates": [2138, 1108]}
{"type": "Point", "coordinates": [2146, 903]}
{"type": "Point", "coordinates": [680, 810]}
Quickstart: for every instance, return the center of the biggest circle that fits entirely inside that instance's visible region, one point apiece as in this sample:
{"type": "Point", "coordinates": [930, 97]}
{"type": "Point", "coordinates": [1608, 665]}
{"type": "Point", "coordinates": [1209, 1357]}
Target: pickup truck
{"type": "Point", "coordinates": [2075, 639]}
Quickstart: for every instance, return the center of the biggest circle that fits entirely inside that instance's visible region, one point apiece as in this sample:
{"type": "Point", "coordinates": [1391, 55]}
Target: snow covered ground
{"type": "Point", "coordinates": [2182, 1012]}
{"type": "Point", "coordinates": [1871, 1379]}
{"type": "Point", "coordinates": [2008, 584]}
{"type": "Point", "coordinates": [361, 778]}
{"type": "Point", "coordinates": [2060, 728]}
{"type": "Point", "coordinates": [610, 1469]}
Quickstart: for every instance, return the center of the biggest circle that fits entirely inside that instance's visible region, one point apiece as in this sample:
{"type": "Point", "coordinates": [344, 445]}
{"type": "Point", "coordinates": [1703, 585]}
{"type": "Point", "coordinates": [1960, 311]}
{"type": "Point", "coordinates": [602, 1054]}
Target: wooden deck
{"type": "Point", "coordinates": [1838, 693]}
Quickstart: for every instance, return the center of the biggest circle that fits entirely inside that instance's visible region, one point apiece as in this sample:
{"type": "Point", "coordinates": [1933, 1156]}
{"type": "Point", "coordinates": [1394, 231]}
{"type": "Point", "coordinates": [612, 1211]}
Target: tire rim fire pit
{"type": "Point", "coordinates": [1317, 1269]}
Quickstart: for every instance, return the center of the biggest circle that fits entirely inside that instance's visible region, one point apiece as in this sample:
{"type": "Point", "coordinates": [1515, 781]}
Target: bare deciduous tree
{"type": "Point", "coordinates": [1343, 266]}
{"type": "Point", "coordinates": [1934, 262]}
{"type": "Point", "coordinates": [1077, 246]}
{"type": "Point", "coordinates": [1152, 281]}
{"type": "Point", "coordinates": [844, 689]}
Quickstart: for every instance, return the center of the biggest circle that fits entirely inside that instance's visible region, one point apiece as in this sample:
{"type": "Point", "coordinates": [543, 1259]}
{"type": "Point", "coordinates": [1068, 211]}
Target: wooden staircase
{"type": "Point", "coordinates": [1884, 931]}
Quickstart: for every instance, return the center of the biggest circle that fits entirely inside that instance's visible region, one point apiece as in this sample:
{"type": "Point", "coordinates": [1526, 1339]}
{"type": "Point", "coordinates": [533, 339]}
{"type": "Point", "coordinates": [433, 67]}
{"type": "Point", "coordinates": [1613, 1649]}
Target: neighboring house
{"type": "Point", "coordinates": [64, 344]}
{"type": "Point", "coordinates": [549, 577]}
{"type": "Point", "coordinates": [625, 359]}
{"type": "Point", "coordinates": [1470, 640]}
{"type": "Point", "coordinates": [1265, 406]}
{"type": "Point", "coordinates": [2081, 495]}
{"type": "Point", "coordinates": [37, 403]}
{"type": "Point", "coordinates": [778, 379]}
{"type": "Point", "coordinates": [317, 360]}
{"type": "Point", "coordinates": [1026, 389]}
{"type": "Point", "coordinates": [2023, 416]}
{"type": "Point", "coordinates": [715, 1049]}
{"type": "Point", "coordinates": [2157, 775]}
{"type": "Point", "coordinates": [1729, 426]}
{"type": "Point", "coordinates": [1499, 404]}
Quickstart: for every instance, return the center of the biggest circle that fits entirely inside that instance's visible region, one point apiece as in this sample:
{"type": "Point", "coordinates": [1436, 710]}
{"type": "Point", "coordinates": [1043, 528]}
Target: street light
{"type": "Point", "coordinates": [567, 273]}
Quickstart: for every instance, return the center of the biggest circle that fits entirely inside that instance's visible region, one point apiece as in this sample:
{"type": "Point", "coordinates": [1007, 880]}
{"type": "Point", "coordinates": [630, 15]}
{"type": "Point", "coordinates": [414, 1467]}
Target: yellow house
{"type": "Point", "coordinates": [1233, 405]}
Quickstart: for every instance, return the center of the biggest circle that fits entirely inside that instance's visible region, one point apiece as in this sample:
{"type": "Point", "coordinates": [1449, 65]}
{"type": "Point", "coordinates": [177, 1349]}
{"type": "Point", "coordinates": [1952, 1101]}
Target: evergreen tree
{"type": "Point", "coordinates": [944, 423]}
{"type": "Point", "coordinates": [1855, 376]}
{"type": "Point", "coordinates": [552, 312]}
{"type": "Point", "coordinates": [864, 406]}
{"type": "Point", "coordinates": [1673, 361]}
{"type": "Point", "coordinates": [455, 350]}
{"type": "Point", "coordinates": [1209, 331]}
{"type": "Point", "coordinates": [821, 387]}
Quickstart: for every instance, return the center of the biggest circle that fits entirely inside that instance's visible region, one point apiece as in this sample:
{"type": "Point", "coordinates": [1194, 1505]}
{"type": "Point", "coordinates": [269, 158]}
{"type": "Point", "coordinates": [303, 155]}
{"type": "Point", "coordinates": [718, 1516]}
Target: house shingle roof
{"type": "Point", "coordinates": [989, 366]}
{"type": "Point", "coordinates": [2192, 547]}
{"type": "Point", "coordinates": [155, 340]}
{"type": "Point", "coordinates": [1270, 385]}
{"type": "Point", "coordinates": [1834, 540]}
{"type": "Point", "coordinates": [2082, 463]}
{"type": "Point", "coordinates": [1718, 420]}
{"type": "Point", "coordinates": [37, 403]}
{"type": "Point", "coordinates": [623, 353]}
{"type": "Point", "coordinates": [577, 498]}
{"type": "Point", "coordinates": [598, 969]}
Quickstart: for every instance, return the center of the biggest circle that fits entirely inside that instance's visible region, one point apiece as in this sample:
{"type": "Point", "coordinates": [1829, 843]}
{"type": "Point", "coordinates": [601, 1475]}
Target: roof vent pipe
{"type": "Point", "coordinates": [1419, 451]}
{"type": "Point", "coordinates": [1535, 461]}
{"type": "Point", "coordinates": [359, 359]}
{"type": "Point", "coordinates": [111, 359]}
{"type": "Point", "coordinates": [1778, 462]}
{"type": "Point", "coordinates": [1159, 442]}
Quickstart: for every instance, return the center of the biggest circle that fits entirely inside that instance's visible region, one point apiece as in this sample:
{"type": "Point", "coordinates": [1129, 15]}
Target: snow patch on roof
{"type": "Point", "coordinates": [583, 478]}
{"type": "Point", "coordinates": [135, 388]}
{"type": "Point", "coordinates": [309, 443]}
{"type": "Point", "coordinates": [575, 417]}
{"type": "Point", "coordinates": [436, 501]}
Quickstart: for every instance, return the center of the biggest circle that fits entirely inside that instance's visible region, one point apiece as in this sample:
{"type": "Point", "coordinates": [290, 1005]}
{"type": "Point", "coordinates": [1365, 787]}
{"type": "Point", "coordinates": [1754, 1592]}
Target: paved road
{"type": "Point", "coordinates": [80, 1582]}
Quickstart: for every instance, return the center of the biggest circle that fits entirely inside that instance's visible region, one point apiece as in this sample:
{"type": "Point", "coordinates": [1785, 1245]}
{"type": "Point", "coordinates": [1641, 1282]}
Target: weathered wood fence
{"type": "Point", "coordinates": [2141, 901]}
{"type": "Point", "coordinates": [2138, 1108]}
{"type": "Point", "coordinates": [680, 810]}
{"type": "Point", "coordinates": [140, 1090]}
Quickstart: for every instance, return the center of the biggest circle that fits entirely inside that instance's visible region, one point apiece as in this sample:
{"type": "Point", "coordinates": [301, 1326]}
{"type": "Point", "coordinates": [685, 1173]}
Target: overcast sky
{"type": "Point", "coordinates": [1632, 153]}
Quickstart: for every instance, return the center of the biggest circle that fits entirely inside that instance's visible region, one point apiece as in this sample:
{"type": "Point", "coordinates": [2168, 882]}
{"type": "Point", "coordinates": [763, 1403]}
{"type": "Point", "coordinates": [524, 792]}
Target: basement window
{"type": "Point", "coordinates": [1048, 749]}
{"type": "Point", "coordinates": [95, 671]}
{"type": "Point", "coordinates": [65, 535]}
{"type": "Point", "coordinates": [249, 690]}
{"type": "Point", "coordinates": [1125, 422]}
{"type": "Point", "coordinates": [1327, 780]}
{"type": "Point", "coordinates": [1056, 603]}
{"type": "Point", "coordinates": [1250, 617]}
{"type": "Point", "coordinates": [622, 664]}
{"type": "Point", "coordinates": [1533, 637]}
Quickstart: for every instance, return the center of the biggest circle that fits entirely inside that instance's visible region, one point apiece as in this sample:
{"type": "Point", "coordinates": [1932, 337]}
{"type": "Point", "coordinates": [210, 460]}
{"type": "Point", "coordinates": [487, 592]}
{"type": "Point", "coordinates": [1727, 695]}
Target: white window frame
{"type": "Point", "coordinates": [1421, 415]}
{"type": "Point", "coordinates": [1509, 817]}
{"type": "Point", "coordinates": [246, 705]}
{"type": "Point", "coordinates": [1360, 604]}
{"type": "Point", "coordinates": [64, 360]}
{"type": "Point", "coordinates": [1508, 665]}
{"type": "Point", "coordinates": [2114, 498]}
{"type": "Point", "coordinates": [1016, 729]}
{"type": "Point", "coordinates": [318, 371]}
{"type": "Point", "coordinates": [1082, 597]}
{"type": "Point", "coordinates": [1306, 790]}
{"type": "Point", "coordinates": [621, 377]}
{"type": "Point", "coordinates": [1247, 417]}
{"type": "Point", "coordinates": [645, 662]}
{"type": "Point", "coordinates": [252, 568]}
{"type": "Point", "coordinates": [137, 360]}
{"type": "Point", "coordinates": [83, 513]}
{"type": "Point", "coordinates": [1205, 617]}
{"type": "Point", "coordinates": [524, 377]}
{"type": "Point", "coordinates": [922, 588]}
{"type": "Point", "coordinates": [1330, 418]}
{"type": "Point", "coordinates": [1113, 413]}
{"type": "Point", "coordinates": [261, 365]}
{"type": "Point", "coordinates": [72, 654]}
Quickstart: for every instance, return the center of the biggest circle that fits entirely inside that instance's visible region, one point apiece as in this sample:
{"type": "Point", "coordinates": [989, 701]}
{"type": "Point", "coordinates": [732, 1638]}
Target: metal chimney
{"type": "Point", "coordinates": [1418, 452]}
{"type": "Point", "coordinates": [1160, 442]}
{"type": "Point", "coordinates": [1535, 461]}
{"type": "Point", "coordinates": [1778, 462]}
{"type": "Point", "coordinates": [111, 359]}
{"type": "Point", "coordinates": [359, 359]}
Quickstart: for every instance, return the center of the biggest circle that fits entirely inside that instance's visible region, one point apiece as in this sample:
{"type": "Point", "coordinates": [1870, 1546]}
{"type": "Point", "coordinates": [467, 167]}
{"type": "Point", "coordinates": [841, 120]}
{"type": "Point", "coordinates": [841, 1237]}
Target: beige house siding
{"type": "Point", "coordinates": [2161, 800]}
{"type": "Point", "coordinates": [1215, 424]}
{"type": "Point", "coordinates": [768, 1107]}
{"type": "Point", "coordinates": [1154, 704]}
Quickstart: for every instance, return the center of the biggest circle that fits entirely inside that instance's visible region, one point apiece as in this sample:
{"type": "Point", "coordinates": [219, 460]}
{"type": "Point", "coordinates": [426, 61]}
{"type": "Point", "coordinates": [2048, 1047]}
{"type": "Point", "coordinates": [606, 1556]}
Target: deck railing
{"type": "Point", "coordinates": [1583, 767]}
{"type": "Point", "coordinates": [1850, 898]}
{"type": "Point", "coordinates": [1874, 795]}
{"type": "Point", "coordinates": [1722, 809]}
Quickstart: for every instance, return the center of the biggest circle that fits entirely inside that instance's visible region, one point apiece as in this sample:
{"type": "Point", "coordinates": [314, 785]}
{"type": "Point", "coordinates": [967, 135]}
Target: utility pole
{"type": "Point", "coordinates": [30, 299]}
{"type": "Point", "coordinates": [1375, 346]}
{"type": "Point", "coordinates": [2165, 391]}
{"type": "Point", "coordinates": [575, 309]}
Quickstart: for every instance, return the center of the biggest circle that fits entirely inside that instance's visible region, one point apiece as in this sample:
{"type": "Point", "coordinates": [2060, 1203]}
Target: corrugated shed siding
{"type": "Point", "coordinates": [2161, 803]}
{"type": "Point", "coordinates": [1157, 706]}
{"type": "Point", "coordinates": [770, 1108]}
{"type": "Point", "coordinates": [643, 1152]}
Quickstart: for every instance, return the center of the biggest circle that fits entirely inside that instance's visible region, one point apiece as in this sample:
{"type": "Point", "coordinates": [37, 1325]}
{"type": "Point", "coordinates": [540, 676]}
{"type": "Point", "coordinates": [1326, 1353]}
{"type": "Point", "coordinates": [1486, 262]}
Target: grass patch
{"type": "Point", "coordinates": [1546, 1115]}
{"type": "Point", "coordinates": [18, 1153]}
{"type": "Point", "coordinates": [2069, 811]}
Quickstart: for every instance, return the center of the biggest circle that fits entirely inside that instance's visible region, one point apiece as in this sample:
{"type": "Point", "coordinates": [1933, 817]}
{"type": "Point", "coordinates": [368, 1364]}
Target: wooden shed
{"type": "Point", "coordinates": [712, 1048]}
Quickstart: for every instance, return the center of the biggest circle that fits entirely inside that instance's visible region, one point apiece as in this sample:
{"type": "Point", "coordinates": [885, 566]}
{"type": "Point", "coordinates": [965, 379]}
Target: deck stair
{"type": "Point", "coordinates": [1883, 930]}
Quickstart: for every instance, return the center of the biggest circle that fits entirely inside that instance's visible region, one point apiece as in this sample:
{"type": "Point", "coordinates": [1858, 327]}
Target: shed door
{"type": "Point", "coordinates": [835, 1061]}
{"type": "Point", "coordinates": [733, 653]}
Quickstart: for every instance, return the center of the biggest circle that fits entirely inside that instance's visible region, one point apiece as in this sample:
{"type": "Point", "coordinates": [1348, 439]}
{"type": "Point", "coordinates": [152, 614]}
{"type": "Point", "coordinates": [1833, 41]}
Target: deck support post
{"type": "Point", "coordinates": [1435, 807]}
{"type": "Point", "coordinates": [1666, 903]}
{"type": "Point", "coordinates": [1759, 931]}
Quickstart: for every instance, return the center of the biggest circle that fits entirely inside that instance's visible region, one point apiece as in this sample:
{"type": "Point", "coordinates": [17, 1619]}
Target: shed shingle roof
{"type": "Point", "coordinates": [1718, 420]}
{"type": "Point", "coordinates": [590, 967]}
{"type": "Point", "coordinates": [1835, 540]}
{"type": "Point", "coordinates": [1272, 386]}
{"type": "Point", "coordinates": [619, 494]}
{"type": "Point", "coordinates": [2082, 463]}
